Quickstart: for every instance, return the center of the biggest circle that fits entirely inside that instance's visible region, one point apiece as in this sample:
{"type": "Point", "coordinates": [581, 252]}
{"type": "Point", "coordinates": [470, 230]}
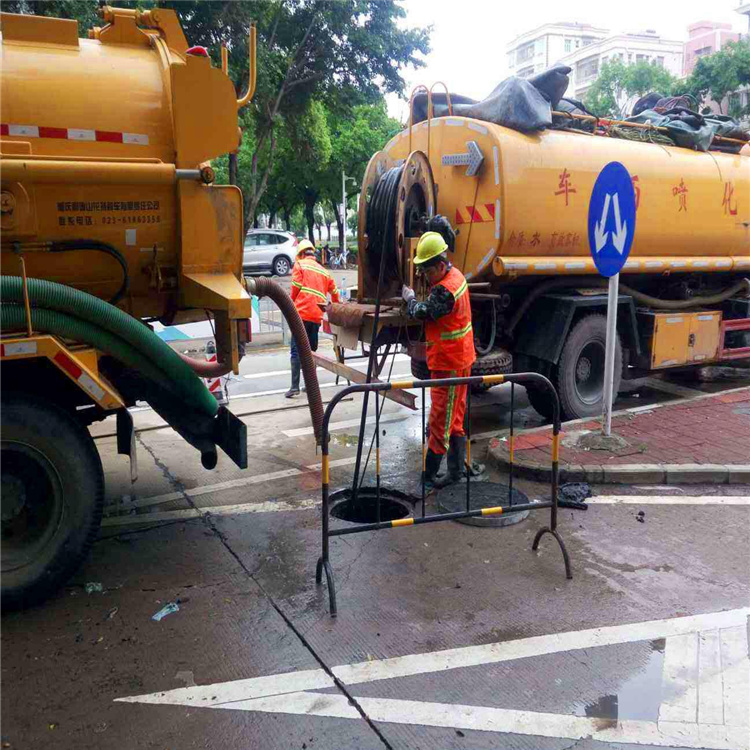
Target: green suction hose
{"type": "Point", "coordinates": [155, 356]}
{"type": "Point", "coordinates": [60, 324]}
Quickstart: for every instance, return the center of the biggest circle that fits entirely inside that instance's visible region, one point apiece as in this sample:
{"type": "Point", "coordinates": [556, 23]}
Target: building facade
{"type": "Point", "coordinates": [538, 49]}
{"type": "Point", "coordinates": [705, 38]}
{"type": "Point", "coordinates": [586, 63]}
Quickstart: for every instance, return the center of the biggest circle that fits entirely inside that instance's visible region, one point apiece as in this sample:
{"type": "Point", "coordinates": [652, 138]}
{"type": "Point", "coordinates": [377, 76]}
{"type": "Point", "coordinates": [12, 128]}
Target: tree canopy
{"type": "Point", "coordinates": [718, 75]}
{"type": "Point", "coordinates": [617, 84]}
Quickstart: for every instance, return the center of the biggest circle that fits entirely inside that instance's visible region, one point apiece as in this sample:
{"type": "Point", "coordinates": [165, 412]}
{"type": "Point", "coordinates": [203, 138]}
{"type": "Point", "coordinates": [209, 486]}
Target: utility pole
{"type": "Point", "coordinates": [344, 178]}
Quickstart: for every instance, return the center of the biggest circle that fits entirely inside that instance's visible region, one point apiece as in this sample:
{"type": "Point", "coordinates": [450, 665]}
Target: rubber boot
{"type": "Point", "coordinates": [431, 468]}
{"type": "Point", "coordinates": [456, 462]}
{"type": "Point", "coordinates": [294, 390]}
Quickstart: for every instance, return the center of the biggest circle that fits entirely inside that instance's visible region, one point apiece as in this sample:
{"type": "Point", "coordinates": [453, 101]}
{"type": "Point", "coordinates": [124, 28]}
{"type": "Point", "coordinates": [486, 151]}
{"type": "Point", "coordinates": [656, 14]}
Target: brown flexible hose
{"type": "Point", "coordinates": [206, 369]}
{"type": "Point", "coordinates": [263, 287]}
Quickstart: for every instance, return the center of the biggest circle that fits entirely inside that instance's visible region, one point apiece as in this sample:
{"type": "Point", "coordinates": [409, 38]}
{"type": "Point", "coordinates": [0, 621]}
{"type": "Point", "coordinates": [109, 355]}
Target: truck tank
{"type": "Point", "coordinates": [525, 211]}
{"type": "Point", "coordinates": [109, 139]}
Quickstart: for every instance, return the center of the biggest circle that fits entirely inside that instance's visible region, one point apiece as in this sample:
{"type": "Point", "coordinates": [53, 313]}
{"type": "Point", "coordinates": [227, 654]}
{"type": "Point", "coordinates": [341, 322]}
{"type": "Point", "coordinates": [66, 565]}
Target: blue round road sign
{"type": "Point", "coordinates": [611, 222]}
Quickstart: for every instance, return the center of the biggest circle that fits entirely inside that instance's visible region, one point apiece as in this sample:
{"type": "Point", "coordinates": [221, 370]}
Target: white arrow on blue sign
{"type": "Point", "coordinates": [611, 221]}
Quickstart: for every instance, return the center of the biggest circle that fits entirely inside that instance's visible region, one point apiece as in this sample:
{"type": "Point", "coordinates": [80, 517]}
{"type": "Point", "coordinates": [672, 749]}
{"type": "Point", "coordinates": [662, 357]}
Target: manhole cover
{"type": "Point", "coordinates": [483, 495]}
{"type": "Point", "coordinates": [393, 505]}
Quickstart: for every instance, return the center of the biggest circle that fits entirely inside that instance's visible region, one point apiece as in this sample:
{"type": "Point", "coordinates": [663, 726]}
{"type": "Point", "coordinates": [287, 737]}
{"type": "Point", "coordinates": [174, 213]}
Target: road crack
{"type": "Point", "coordinates": [209, 522]}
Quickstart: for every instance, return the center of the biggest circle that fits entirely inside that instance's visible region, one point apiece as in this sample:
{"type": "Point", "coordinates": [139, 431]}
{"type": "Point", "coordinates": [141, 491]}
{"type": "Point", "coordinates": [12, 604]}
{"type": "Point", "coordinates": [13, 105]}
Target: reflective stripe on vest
{"type": "Point", "coordinates": [450, 343]}
{"type": "Point", "coordinates": [460, 333]}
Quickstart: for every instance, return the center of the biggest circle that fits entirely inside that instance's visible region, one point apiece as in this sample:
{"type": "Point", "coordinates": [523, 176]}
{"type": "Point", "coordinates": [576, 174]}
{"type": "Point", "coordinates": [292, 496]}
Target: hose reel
{"type": "Point", "coordinates": [397, 201]}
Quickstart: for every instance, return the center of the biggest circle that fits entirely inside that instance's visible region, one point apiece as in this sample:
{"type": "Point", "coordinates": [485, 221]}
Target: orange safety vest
{"type": "Point", "coordinates": [450, 339]}
{"type": "Point", "coordinates": [311, 284]}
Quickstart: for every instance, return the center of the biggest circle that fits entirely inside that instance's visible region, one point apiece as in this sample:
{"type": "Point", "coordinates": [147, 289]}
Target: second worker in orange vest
{"type": "Point", "coordinates": [450, 354]}
{"type": "Point", "coordinates": [311, 285]}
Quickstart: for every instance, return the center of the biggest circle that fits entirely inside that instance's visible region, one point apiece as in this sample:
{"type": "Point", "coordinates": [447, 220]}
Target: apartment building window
{"type": "Point", "coordinates": [526, 72]}
{"type": "Point", "coordinates": [568, 45]}
{"type": "Point", "coordinates": [641, 58]}
{"type": "Point", "coordinates": [703, 51]}
{"type": "Point", "coordinates": [587, 69]}
{"type": "Point", "coordinates": [660, 62]}
{"type": "Point", "coordinates": [525, 53]}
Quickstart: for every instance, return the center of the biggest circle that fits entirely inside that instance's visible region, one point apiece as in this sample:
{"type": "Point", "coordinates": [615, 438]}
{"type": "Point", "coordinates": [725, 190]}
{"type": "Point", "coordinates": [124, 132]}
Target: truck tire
{"type": "Point", "coordinates": [579, 376]}
{"type": "Point", "coordinates": [52, 497]}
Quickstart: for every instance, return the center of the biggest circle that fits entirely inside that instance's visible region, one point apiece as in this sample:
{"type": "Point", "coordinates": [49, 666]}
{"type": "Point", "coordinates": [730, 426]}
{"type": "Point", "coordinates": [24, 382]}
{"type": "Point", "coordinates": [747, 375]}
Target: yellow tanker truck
{"type": "Point", "coordinates": [517, 205]}
{"type": "Point", "coordinates": [110, 221]}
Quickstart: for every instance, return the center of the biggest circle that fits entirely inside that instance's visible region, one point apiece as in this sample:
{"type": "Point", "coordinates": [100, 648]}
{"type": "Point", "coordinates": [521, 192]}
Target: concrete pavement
{"type": "Point", "coordinates": [448, 636]}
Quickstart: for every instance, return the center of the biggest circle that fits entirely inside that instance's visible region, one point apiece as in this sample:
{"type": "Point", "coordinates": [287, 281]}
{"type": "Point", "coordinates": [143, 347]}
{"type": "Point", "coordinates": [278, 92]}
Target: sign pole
{"type": "Point", "coordinates": [609, 355]}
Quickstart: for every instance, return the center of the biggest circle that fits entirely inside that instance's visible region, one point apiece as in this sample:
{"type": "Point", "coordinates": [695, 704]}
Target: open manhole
{"type": "Point", "coordinates": [452, 499]}
{"type": "Point", "coordinates": [393, 505]}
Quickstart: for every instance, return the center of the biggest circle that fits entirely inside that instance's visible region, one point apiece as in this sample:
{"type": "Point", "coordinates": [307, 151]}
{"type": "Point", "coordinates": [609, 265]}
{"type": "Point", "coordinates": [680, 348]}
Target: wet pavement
{"type": "Point", "coordinates": [448, 636]}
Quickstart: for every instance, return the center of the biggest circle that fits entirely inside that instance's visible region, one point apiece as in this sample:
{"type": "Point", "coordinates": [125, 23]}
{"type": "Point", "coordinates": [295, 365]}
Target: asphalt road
{"type": "Point", "coordinates": [448, 636]}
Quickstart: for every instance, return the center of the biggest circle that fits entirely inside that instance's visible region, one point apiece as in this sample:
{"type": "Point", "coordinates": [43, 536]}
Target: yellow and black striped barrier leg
{"type": "Point", "coordinates": [324, 563]}
{"type": "Point", "coordinates": [511, 442]}
{"type": "Point", "coordinates": [424, 450]}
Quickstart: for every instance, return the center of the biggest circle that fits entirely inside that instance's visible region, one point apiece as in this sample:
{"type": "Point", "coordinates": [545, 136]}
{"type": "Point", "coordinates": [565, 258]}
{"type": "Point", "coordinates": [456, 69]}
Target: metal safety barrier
{"type": "Point", "coordinates": [324, 563]}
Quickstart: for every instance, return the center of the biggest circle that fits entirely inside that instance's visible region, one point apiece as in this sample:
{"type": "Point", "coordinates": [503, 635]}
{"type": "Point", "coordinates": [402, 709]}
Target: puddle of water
{"type": "Point", "coordinates": [638, 697]}
{"type": "Point", "coordinates": [343, 439]}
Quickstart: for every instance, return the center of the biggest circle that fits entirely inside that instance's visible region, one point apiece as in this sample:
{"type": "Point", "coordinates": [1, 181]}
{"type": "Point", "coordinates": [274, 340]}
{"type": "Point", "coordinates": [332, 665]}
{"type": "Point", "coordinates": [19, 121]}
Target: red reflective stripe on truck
{"type": "Point", "coordinates": [53, 133]}
{"type": "Point", "coordinates": [68, 365]}
{"type": "Point", "coordinates": [74, 134]}
{"type": "Point", "coordinates": [108, 136]}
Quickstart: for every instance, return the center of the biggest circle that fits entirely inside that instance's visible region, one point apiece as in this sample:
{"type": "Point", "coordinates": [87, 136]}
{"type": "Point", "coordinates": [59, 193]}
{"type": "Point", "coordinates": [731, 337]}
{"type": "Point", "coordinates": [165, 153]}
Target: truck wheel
{"type": "Point", "coordinates": [580, 372]}
{"type": "Point", "coordinates": [497, 362]}
{"type": "Point", "coordinates": [52, 496]}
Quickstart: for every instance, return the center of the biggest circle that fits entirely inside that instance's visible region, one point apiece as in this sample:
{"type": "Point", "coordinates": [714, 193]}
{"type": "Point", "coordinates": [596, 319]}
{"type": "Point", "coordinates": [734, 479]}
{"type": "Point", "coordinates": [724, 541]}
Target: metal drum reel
{"type": "Point", "coordinates": [411, 203]}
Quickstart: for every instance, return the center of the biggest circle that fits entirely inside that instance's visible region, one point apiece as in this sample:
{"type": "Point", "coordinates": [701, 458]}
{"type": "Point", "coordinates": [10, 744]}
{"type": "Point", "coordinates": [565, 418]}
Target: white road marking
{"type": "Point", "coordinates": [356, 366]}
{"type": "Point", "coordinates": [289, 693]}
{"type": "Point", "coordinates": [300, 431]}
{"type": "Point", "coordinates": [710, 686]}
{"type": "Point", "coordinates": [669, 500]}
{"type": "Point", "coordinates": [185, 514]}
{"type": "Point", "coordinates": [679, 688]}
{"type": "Point", "coordinates": [492, 653]}
{"type": "Point", "coordinates": [276, 391]}
{"type": "Point", "coordinates": [238, 690]}
{"type": "Point", "coordinates": [148, 502]}
{"type": "Point", "coordinates": [736, 676]}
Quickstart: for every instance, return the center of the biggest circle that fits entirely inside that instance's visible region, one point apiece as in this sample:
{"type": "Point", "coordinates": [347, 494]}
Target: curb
{"type": "Point", "coordinates": [499, 456]}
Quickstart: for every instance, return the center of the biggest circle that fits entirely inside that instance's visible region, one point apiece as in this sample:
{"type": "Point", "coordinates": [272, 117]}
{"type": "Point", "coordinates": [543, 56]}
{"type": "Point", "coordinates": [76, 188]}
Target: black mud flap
{"type": "Point", "coordinates": [230, 434]}
{"type": "Point", "coordinates": [126, 440]}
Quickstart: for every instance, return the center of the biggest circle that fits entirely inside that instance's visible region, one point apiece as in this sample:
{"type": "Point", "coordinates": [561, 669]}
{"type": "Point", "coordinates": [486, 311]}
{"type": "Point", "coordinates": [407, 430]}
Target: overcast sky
{"type": "Point", "coordinates": [469, 37]}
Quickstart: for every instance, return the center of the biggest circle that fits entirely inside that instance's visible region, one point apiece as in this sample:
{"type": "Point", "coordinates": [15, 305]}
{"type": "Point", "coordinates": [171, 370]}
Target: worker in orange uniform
{"type": "Point", "coordinates": [450, 353]}
{"type": "Point", "coordinates": [311, 285]}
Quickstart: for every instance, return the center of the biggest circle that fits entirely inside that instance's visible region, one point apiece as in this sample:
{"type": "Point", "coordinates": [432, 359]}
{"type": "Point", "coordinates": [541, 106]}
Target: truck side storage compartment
{"type": "Point", "coordinates": [671, 339]}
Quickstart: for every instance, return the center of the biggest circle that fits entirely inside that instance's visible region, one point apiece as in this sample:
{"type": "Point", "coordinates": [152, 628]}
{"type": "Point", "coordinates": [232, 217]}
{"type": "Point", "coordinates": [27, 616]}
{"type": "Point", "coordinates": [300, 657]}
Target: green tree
{"type": "Point", "coordinates": [605, 95]}
{"type": "Point", "coordinates": [617, 84]}
{"type": "Point", "coordinates": [716, 76]}
{"type": "Point", "coordinates": [342, 53]}
{"type": "Point", "coordinates": [356, 136]}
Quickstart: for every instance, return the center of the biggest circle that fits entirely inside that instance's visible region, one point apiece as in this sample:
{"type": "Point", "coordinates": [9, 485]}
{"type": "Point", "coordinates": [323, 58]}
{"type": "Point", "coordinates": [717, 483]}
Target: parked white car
{"type": "Point", "coordinates": [269, 251]}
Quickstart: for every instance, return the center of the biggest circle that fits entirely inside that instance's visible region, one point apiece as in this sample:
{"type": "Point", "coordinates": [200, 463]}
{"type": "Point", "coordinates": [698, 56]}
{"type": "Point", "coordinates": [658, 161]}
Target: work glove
{"type": "Point", "coordinates": [408, 294]}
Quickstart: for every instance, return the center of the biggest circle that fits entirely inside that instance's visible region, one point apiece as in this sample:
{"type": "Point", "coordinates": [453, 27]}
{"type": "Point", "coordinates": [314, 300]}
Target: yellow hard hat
{"type": "Point", "coordinates": [304, 247]}
{"type": "Point", "coordinates": [431, 244]}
